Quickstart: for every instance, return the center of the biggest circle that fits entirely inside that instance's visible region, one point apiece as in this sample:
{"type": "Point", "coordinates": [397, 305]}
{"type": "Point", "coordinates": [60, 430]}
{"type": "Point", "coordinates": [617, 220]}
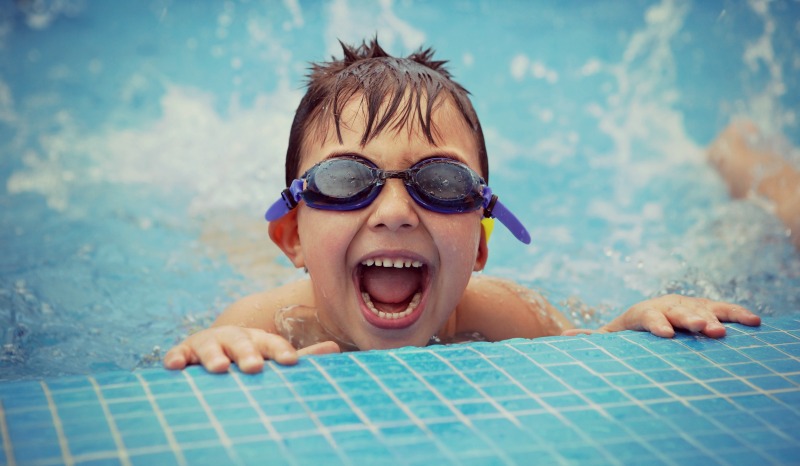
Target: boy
{"type": "Point", "coordinates": [386, 170]}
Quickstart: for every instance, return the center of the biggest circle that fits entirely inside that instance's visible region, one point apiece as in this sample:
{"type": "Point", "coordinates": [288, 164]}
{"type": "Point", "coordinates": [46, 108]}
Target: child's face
{"type": "Point", "coordinates": [439, 251]}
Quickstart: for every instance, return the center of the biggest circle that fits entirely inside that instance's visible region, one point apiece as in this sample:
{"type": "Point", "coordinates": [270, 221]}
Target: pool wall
{"type": "Point", "coordinates": [624, 398]}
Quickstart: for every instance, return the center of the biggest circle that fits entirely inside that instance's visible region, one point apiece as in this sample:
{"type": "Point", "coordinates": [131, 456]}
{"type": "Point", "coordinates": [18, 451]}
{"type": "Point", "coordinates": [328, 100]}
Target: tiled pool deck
{"type": "Point", "coordinates": [626, 398]}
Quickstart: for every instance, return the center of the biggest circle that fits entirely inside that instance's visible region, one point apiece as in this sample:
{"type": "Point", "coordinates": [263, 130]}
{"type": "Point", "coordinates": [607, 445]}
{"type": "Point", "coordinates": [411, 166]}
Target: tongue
{"type": "Point", "coordinates": [390, 285]}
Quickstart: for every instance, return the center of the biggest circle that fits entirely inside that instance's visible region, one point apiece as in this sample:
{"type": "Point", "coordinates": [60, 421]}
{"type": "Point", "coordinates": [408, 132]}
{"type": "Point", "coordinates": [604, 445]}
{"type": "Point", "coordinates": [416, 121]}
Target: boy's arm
{"type": "Point", "coordinates": [246, 333]}
{"type": "Point", "coordinates": [258, 310]}
{"type": "Point", "coordinates": [501, 309]}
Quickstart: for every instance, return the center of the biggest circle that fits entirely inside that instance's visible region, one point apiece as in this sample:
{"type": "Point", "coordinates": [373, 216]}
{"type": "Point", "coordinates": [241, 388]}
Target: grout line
{"type": "Point", "coordinates": [356, 409]}
{"type": "Point", "coordinates": [223, 437]}
{"type": "Point", "coordinates": [321, 428]}
{"type": "Point", "coordinates": [173, 443]}
{"type": "Point", "coordinates": [551, 410]}
{"type": "Point", "coordinates": [451, 406]}
{"type": "Point", "coordinates": [124, 457]}
{"type": "Point", "coordinates": [262, 416]}
{"type": "Point", "coordinates": [7, 447]}
{"type": "Point", "coordinates": [62, 439]}
{"type": "Point", "coordinates": [414, 418]}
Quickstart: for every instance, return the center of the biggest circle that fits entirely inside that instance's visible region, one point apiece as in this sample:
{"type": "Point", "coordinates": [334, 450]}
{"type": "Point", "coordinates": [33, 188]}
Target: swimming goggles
{"type": "Point", "coordinates": [438, 184]}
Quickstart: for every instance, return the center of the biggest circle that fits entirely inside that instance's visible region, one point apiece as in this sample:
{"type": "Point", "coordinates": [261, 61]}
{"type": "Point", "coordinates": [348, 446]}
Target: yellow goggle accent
{"type": "Point", "coordinates": [488, 227]}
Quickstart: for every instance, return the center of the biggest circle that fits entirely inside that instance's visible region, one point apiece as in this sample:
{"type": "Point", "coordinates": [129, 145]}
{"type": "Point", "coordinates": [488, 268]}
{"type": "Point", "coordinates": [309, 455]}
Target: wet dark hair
{"type": "Point", "coordinates": [393, 90]}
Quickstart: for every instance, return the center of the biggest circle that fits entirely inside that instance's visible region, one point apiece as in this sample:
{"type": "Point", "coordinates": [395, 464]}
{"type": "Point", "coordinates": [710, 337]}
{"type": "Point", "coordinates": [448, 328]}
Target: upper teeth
{"type": "Point", "coordinates": [397, 263]}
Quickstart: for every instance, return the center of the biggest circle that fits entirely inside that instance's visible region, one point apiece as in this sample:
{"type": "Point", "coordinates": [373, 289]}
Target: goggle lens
{"type": "Point", "coordinates": [439, 184]}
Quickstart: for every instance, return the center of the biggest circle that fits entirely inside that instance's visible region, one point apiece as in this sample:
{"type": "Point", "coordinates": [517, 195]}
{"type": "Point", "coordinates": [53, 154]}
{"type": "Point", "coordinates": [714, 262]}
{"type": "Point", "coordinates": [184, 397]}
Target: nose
{"type": "Point", "coordinates": [394, 208]}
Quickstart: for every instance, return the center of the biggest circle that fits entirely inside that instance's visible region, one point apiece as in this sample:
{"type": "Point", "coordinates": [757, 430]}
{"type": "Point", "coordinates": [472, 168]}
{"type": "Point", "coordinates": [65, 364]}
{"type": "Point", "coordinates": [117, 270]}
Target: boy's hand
{"type": "Point", "coordinates": [216, 347]}
{"type": "Point", "coordinates": [661, 316]}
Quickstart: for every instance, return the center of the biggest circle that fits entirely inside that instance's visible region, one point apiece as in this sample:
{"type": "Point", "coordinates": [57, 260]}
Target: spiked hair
{"type": "Point", "coordinates": [394, 91]}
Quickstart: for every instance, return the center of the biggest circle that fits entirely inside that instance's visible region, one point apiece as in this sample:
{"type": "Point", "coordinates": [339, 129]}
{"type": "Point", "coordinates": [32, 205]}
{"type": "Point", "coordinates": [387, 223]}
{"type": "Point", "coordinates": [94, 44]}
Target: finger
{"type": "Point", "coordinates": [274, 347]}
{"type": "Point", "coordinates": [210, 353]}
{"type": "Point", "coordinates": [324, 347]}
{"type": "Point", "coordinates": [727, 312]}
{"type": "Point", "coordinates": [579, 331]}
{"type": "Point", "coordinates": [656, 323]}
{"type": "Point", "coordinates": [692, 316]}
{"type": "Point", "coordinates": [244, 352]}
{"type": "Point", "coordinates": [178, 357]}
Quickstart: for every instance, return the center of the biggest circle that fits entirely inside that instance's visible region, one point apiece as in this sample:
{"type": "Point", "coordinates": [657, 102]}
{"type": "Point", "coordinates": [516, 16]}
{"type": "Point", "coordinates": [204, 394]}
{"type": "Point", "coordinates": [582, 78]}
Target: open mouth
{"type": "Point", "coordinates": [392, 290]}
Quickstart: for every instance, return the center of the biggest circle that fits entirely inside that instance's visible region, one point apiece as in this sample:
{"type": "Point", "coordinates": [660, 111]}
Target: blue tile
{"type": "Point", "coordinates": [686, 361]}
{"type": "Point", "coordinates": [503, 391]}
{"type": "Point", "coordinates": [606, 367]}
{"type": "Point", "coordinates": [340, 419]}
{"type": "Point", "coordinates": [40, 415]}
{"type": "Point", "coordinates": [245, 430]}
{"type": "Point", "coordinates": [784, 454]}
{"type": "Point", "coordinates": [564, 400]}
{"type": "Point", "coordinates": [543, 385]}
{"type": "Point", "coordinates": [295, 424]}
{"type": "Point", "coordinates": [201, 435]}
{"type": "Point", "coordinates": [126, 408]}
{"type": "Point", "coordinates": [149, 439]}
{"type": "Point", "coordinates": [707, 373]}
{"type": "Point", "coordinates": [520, 404]}
{"type": "Point", "coordinates": [209, 455]}
{"type": "Point", "coordinates": [763, 353]}
{"type": "Point", "coordinates": [470, 409]}
{"type": "Point", "coordinates": [776, 338]}
{"type": "Point", "coordinates": [236, 413]}
{"type": "Point", "coordinates": [416, 397]}
{"type": "Point", "coordinates": [179, 387]}
{"type": "Point", "coordinates": [225, 398]}
{"type": "Point", "coordinates": [315, 389]}
{"type": "Point", "coordinates": [178, 403]}
{"type": "Point", "coordinates": [403, 434]}
{"type": "Point", "coordinates": [123, 391]}
{"type": "Point", "coordinates": [650, 428]}
{"type": "Point", "coordinates": [137, 424]}
{"type": "Point", "coordinates": [74, 397]}
{"type": "Point", "coordinates": [32, 433]}
{"type": "Point", "coordinates": [381, 414]}
{"type": "Point", "coordinates": [783, 366]}
{"type": "Point", "coordinates": [626, 413]}
{"type": "Point", "coordinates": [748, 369]}
{"type": "Point", "coordinates": [487, 377]}
{"type": "Point", "coordinates": [629, 451]}
{"type": "Point", "coordinates": [628, 380]}
{"type": "Point", "coordinates": [647, 393]}
{"type": "Point", "coordinates": [726, 356]}
{"type": "Point", "coordinates": [149, 459]}
{"type": "Point", "coordinates": [37, 453]}
{"type": "Point", "coordinates": [431, 411]}
{"type": "Point", "coordinates": [666, 376]}
{"type": "Point", "coordinates": [92, 445]}
{"type": "Point", "coordinates": [727, 387]}
{"type": "Point", "coordinates": [186, 417]}
{"type": "Point", "coordinates": [647, 364]}
{"type": "Point", "coordinates": [607, 396]}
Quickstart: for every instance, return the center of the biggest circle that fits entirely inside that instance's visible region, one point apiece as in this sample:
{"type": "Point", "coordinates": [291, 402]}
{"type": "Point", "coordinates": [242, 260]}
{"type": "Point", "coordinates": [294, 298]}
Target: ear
{"type": "Point", "coordinates": [286, 235]}
{"type": "Point", "coordinates": [483, 250]}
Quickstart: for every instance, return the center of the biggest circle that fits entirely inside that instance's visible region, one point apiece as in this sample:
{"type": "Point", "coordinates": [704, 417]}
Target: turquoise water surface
{"type": "Point", "coordinates": [141, 141]}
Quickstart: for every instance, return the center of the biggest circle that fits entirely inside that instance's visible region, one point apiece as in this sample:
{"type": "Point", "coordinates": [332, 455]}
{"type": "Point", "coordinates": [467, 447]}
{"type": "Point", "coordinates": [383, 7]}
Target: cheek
{"type": "Point", "coordinates": [324, 236]}
{"type": "Point", "coordinates": [458, 240]}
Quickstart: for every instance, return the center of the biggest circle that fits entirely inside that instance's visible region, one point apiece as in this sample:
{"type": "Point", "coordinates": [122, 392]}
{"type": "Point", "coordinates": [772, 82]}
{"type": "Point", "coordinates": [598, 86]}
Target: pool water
{"type": "Point", "coordinates": [142, 141]}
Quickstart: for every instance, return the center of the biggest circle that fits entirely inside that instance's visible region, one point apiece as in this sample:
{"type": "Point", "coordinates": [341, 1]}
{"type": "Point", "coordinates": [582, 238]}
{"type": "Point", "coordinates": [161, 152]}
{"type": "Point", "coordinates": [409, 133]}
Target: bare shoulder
{"type": "Point", "coordinates": [501, 309]}
{"type": "Point", "coordinates": [258, 310]}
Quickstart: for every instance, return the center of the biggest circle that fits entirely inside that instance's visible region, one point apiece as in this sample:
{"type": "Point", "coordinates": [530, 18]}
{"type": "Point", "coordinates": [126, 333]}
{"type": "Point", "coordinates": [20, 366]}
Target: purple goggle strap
{"type": "Point", "coordinates": [288, 200]}
{"type": "Point", "coordinates": [492, 208]}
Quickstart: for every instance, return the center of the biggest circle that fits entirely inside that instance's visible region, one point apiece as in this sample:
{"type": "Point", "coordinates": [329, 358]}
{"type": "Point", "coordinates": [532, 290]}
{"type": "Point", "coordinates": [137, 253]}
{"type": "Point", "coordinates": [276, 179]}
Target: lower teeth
{"type": "Point", "coordinates": [392, 315]}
